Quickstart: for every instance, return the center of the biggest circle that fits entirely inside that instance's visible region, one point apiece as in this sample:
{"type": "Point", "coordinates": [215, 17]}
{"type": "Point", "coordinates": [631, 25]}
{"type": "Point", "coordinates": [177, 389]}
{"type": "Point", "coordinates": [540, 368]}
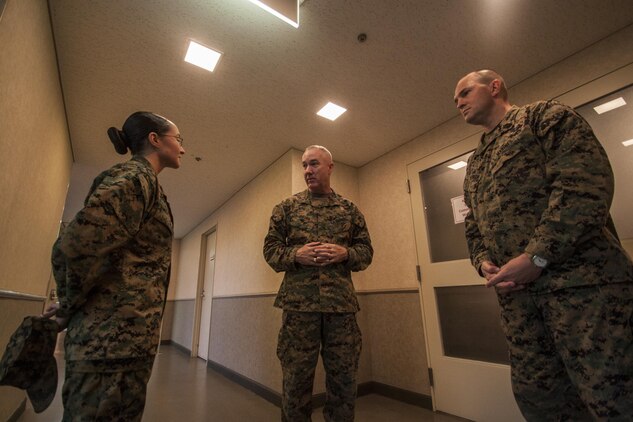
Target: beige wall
{"type": "Point", "coordinates": [241, 225]}
{"type": "Point", "coordinates": [36, 157]}
{"type": "Point", "coordinates": [35, 164]}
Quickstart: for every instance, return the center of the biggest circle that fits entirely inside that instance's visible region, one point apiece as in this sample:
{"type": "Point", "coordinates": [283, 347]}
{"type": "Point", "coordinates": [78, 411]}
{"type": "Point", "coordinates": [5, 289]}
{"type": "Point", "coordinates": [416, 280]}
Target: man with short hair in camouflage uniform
{"type": "Point", "coordinates": [318, 238]}
{"type": "Point", "coordinates": [539, 187]}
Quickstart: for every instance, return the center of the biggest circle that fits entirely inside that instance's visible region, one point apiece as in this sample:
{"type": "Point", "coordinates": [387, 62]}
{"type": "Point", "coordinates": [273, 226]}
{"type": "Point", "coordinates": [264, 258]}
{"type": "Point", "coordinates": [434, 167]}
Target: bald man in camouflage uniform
{"type": "Point", "coordinates": [318, 238]}
{"type": "Point", "coordinates": [111, 265]}
{"type": "Point", "coordinates": [539, 187]}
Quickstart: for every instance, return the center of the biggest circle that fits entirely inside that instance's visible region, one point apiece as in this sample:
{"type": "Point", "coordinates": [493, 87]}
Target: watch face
{"type": "Point", "coordinates": [539, 262]}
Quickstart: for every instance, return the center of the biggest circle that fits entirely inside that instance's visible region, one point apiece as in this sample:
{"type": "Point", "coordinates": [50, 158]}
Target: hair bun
{"type": "Point", "coordinates": [118, 139]}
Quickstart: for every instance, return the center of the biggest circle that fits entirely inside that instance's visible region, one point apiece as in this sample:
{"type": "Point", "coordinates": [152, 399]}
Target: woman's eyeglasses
{"type": "Point", "coordinates": [178, 138]}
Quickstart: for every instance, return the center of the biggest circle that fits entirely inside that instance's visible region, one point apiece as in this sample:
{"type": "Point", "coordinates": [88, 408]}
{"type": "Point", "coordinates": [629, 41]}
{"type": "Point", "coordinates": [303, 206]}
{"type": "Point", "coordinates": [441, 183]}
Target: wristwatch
{"type": "Point", "coordinates": [539, 261]}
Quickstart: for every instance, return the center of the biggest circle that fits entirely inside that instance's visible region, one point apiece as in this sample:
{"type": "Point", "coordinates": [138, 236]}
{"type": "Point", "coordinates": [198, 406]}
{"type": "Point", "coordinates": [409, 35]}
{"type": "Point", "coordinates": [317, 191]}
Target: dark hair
{"type": "Point", "coordinates": [135, 131]}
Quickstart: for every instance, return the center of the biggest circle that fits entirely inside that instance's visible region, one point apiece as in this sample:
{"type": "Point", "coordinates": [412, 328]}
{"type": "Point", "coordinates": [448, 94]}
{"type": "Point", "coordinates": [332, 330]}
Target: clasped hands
{"type": "Point", "coordinates": [317, 254]}
{"type": "Point", "coordinates": [513, 276]}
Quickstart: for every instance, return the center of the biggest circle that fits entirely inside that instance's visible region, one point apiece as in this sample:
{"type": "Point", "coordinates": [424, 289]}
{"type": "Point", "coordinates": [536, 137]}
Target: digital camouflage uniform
{"type": "Point", "coordinates": [319, 303]}
{"type": "Point", "coordinates": [541, 183]}
{"type": "Point", "coordinates": [111, 265]}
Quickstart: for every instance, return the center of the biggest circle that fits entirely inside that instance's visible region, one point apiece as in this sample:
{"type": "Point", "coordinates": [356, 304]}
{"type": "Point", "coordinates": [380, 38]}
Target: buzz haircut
{"type": "Point", "coordinates": [486, 76]}
{"type": "Point", "coordinates": [322, 148]}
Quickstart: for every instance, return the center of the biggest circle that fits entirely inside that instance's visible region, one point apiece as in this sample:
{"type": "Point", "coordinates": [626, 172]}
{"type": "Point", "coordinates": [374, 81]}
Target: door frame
{"type": "Point", "coordinates": [420, 233]}
{"type": "Point", "coordinates": [197, 319]}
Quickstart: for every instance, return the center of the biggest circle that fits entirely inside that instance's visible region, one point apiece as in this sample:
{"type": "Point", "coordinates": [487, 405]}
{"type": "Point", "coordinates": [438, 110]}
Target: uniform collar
{"type": "Point", "coordinates": [502, 127]}
{"type": "Point", "coordinates": [319, 200]}
{"type": "Point", "coordinates": [144, 162]}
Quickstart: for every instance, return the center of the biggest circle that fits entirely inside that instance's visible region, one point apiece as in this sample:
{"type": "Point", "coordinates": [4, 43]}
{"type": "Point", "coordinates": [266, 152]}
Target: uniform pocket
{"type": "Point", "coordinates": [341, 227]}
{"type": "Point", "coordinates": [506, 155]}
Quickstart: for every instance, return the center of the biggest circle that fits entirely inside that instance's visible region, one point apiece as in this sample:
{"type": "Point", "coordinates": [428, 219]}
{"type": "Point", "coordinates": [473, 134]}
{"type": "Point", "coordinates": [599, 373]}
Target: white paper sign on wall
{"type": "Point", "coordinates": [460, 210]}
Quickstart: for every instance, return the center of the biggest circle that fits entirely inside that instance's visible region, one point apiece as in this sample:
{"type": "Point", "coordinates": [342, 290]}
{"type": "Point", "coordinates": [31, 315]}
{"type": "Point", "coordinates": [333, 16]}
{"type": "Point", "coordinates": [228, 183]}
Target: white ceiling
{"type": "Point", "coordinates": [119, 56]}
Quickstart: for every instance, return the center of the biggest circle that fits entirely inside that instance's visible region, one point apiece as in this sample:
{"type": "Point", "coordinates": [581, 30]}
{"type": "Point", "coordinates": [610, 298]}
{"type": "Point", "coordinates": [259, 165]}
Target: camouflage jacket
{"type": "Point", "coordinates": [304, 218]}
{"type": "Point", "coordinates": [541, 183]}
{"type": "Point", "coordinates": [111, 265]}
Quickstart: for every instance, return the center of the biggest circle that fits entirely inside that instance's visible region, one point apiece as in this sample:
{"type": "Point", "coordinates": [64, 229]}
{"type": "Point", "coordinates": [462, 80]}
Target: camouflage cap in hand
{"type": "Point", "coordinates": [29, 362]}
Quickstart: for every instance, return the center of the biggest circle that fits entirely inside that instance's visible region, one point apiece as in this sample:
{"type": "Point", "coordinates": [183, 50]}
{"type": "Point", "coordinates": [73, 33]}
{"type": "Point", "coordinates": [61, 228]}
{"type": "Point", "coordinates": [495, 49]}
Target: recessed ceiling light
{"type": "Point", "coordinates": [331, 111]}
{"type": "Point", "coordinates": [202, 56]}
{"type": "Point", "coordinates": [627, 143]}
{"type": "Point", "coordinates": [277, 13]}
{"type": "Point", "coordinates": [457, 165]}
{"type": "Point", "coordinates": [610, 105]}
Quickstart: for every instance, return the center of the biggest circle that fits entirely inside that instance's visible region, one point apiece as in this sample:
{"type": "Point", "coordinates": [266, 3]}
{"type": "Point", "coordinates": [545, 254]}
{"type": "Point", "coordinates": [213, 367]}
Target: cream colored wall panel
{"type": "Point", "coordinates": [37, 158]}
{"type": "Point", "coordinates": [596, 61]}
{"type": "Point", "coordinates": [242, 223]}
{"type": "Point", "coordinates": [298, 182]}
{"type": "Point", "coordinates": [189, 261]}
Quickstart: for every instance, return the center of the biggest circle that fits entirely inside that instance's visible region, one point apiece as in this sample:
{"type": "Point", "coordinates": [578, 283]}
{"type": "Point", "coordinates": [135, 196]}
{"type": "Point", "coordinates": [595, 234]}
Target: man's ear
{"type": "Point", "coordinates": [495, 87]}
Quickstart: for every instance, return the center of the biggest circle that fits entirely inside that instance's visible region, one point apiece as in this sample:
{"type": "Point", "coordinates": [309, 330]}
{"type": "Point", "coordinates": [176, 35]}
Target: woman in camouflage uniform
{"type": "Point", "coordinates": [111, 265]}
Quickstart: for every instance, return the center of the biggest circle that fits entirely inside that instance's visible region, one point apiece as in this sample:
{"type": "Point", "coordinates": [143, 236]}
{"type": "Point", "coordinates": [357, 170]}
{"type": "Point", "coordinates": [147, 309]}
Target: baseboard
{"type": "Point", "coordinates": [257, 388]}
{"type": "Point", "coordinates": [406, 396]}
{"type": "Point", "coordinates": [318, 400]}
{"type": "Point", "coordinates": [179, 347]}
{"type": "Point", "coordinates": [18, 412]}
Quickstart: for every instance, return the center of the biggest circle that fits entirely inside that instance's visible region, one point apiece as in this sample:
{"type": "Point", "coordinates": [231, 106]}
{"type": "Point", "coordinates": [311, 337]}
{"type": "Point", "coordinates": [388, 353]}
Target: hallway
{"type": "Point", "coordinates": [182, 389]}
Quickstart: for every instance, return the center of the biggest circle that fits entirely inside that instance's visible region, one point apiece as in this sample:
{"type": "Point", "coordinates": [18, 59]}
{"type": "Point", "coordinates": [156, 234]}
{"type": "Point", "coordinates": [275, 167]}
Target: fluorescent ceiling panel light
{"type": "Point", "coordinates": [627, 143]}
{"type": "Point", "coordinates": [331, 111]}
{"type": "Point", "coordinates": [275, 7]}
{"type": "Point", "coordinates": [202, 56]}
{"type": "Point", "coordinates": [610, 105]}
{"type": "Point", "coordinates": [457, 165]}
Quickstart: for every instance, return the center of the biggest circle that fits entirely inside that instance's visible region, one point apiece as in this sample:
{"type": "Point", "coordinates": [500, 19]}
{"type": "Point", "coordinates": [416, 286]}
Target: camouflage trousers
{"type": "Point", "coordinates": [571, 352]}
{"type": "Point", "coordinates": [104, 395]}
{"type": "Point", "coordinates": [301, 337]}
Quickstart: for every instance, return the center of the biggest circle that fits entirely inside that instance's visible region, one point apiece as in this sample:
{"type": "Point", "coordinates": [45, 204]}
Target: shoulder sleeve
{"type": "Point", "coordinates": [278, 254]}
{"type": "Point", "coordinates": [580, 180]}
{"type": "Point", "coordinates": [476, 247]}
{"type": "Point", "coordinates": [360, 251]}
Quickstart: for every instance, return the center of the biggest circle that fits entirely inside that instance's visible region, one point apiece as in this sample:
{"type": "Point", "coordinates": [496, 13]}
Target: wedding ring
{"type": "Point", "coordinates": [315, 259]}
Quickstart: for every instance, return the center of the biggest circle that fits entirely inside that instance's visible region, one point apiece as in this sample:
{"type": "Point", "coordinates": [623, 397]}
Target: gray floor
{"type": "Point", "coordinates": [183, 389]}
